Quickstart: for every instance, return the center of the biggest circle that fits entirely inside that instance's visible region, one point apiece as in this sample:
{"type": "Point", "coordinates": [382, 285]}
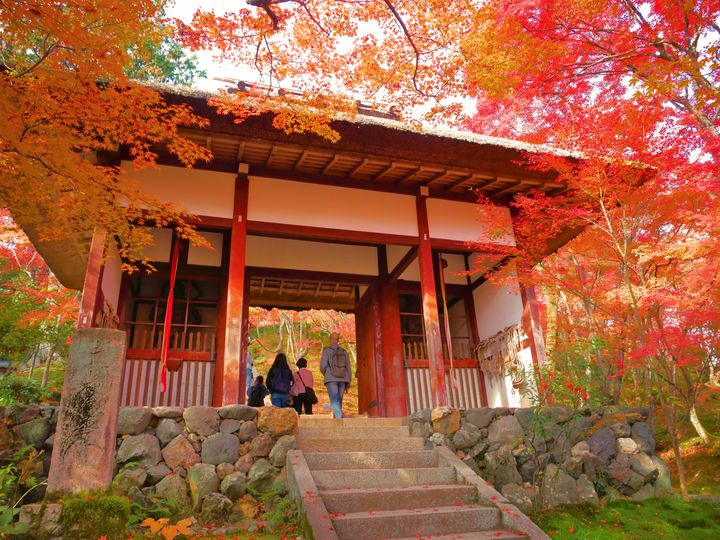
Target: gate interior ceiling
{"type": "Point", "coordinates": [301, 293]}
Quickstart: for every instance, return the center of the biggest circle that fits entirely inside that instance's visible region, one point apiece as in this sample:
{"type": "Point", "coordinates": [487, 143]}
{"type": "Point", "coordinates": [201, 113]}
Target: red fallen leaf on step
{"type": "Point", "coordinates": [493, 497]}
{"type": "Point", "coordinates": [499, 533]}
{"type": "Point", "coordinates": [459, 505]}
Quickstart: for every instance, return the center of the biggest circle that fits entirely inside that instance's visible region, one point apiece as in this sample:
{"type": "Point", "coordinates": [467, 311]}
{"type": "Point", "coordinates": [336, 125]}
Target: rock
{"type": "Point", "coordinates": [558, 487]}
{"type": "Point", "coordinates": [611, 495]}
{"type": "Point", "coordinates": [581, 449]}
{"type": "Point", "coordinates": [517, 496]}
{"type": "Point", "coordinates": [234, 485]}
{"type": "Point", "coordinates": [586, 491]}
{"type": "Point", "coordinates": [46, 518]}
{"type": "Point", "coordinates": [261, 445]}
{"type": "Point", "coordinates": [561, 447]}
{"type": "Point", "coordinates": [229, 425]}
{"type": "Point", "coordinates": [261, 475]}
{"type": "Point", "coordinates": [438, 439]}
{"type": "Point", "coordinates": [480, 417]}
{"type": "Point", "coordinates": [143, 448]}
{"type": "Point", "coordinates": [279, 451]}
{"type": "Point", "coordinates": [182, 471]}
{"type": "Point", "coordinates": [416, 429]}
{"type": "Point", "coordinates": [643, 436]}
{"type": "Point", "coordinates": [49, 442]}
{"type": "Point", "coordinates": [602, 444]}
{"type": "Point", "coordinates": [238, 412]}
{"type": "Point", "coordinates": [201, 420]}
{"type": "Point", "coordinates": [644, 493]}
{"type": "Point", "coordinates": [620, 429]}
{"type": "Point", "coordinates": [505, 431]}
{"type": "Point", "coordinates": [35, 432]}
{"type": "Point", "coordinates": [244, 463]}
{"type": "Point", "coordinates": [157, 473]}
{"type": "Point", "coordinates": [525, 417]}
{"type": "Point", "coordinates": [179, 452]}
{"type": "Point", "coordinates": [277, 422]}
{"type": "Point", "coordinates": [220, 448]}
{"type": "Point", "coordinates": [500, 468]}
{"type": "Point", "coordinates": [663, 480]}
{"type": "Point", "coordinates": [573, 466]}
{"type": "Point", "coordinates": [591, 466]}
{"type": "Point", "coordinates": [445, 420]}
{"type": "Point", "coordinates": [174, 487]}
{"type": "Point", "coordinates": [478, 450]}
{"type": "Point", "coordinates": [167, 429]}
{"type": "Point", "coordinates": [224, 469]}
{"type": "Point", "coordinates": [168, 412]}
{"type": "Point", "coordinates": [202, 480]}
{"type": "Point", "coordinates": [247, 506]}
{"type": "Point", "coordinates": [528, 471]}
{"type": "Point", "coordinates": [626, 446]}
{"type": "Point", "coordinates": [644, 466]}
{"type": "Point", "coordinates": [21, 414]}
{"type": "Point", "coordinates": [128, 478]}
{"type": "Point", "coordinates": [216, 507]}
{"type": "Point", "coordinates": [133, 420]}
{"type": "Point", "coordinates": [465, 438]}
{"type": "Point", "coordinates": [247, 431]}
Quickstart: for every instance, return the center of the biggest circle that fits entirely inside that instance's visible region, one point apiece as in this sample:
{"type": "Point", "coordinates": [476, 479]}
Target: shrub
{"type": "Point", "coordinates": [16, 388]}
{"type": "Point", "coordinates": [93, 517]}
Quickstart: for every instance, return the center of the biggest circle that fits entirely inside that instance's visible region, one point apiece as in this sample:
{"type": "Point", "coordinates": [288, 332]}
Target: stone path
{"type": "Point", "coordinates": [368, 479]}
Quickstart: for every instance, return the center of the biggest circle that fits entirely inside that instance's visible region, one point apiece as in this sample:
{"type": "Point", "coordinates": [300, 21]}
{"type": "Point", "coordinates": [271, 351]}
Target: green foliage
{"type": "Point", "coordinates": [17, 479]}
{"type": "Point", "coordinates": [93, 517]}
{"type": "Point", "coordinates": [670, 519]}
{"type": "Point", "coordinates": [167, 63]}
{"type": "Point", "coordinates": [8, 525]}
{"type": "Point", "coordinates": [15, 388]}
{"type": "Point", "coordinates": [155, 508]}
{"type": "Point", "coordinates": [278, 509]}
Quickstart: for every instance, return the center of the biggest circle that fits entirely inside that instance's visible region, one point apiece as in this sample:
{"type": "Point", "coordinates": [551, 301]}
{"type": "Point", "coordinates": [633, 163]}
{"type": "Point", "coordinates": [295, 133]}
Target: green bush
{"type": "Point", "coordinates": [16, 388]}
{"type": "Point", "coordinates": [93, 517]}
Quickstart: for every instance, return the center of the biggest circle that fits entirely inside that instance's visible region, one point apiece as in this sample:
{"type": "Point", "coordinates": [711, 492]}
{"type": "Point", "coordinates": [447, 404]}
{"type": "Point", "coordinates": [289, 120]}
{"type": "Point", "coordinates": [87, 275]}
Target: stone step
{"type": "Point", "coordinates": [352, 432]}
{"type": "Point", "coordinates": [446, 520]}
{"type": "Point", "coordinates": [379, 478]}
{"type": "Point", "coordinates": [319, 420]}
{"type": "Point", "coordinates": [476, 535]}
{"type": "Point", "coordinates": [326, 461]}
{"type": "Point", "coordinates": [397, 498]}
{"type": "Point", "coordinates": [310, 445]}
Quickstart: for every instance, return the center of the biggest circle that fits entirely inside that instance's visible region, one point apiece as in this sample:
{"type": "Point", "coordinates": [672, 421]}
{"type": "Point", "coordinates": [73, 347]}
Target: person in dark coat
{"type": "Point", "coordinates": [280, 381]}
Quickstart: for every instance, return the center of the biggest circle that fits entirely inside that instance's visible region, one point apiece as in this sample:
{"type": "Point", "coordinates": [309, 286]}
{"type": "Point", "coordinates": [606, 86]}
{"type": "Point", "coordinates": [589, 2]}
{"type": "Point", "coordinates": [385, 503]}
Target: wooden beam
{"type": "Point", "coordinates": [486, 275]}
{"type": "Point", "coordinates": [406, 261]}
{"type": "Point", "coordinates": [92, 291]}
{"type": "Point", "coordinates": [533, 328]}
{"type": "Point", "coordinates": [433, 340]}
{"type": "Point", "coordinates": [382, 261]}
{"type": "Point", "coordinates": [330, 163]}
{"type": "Point", "coordinates": [304, 232]}
{"type": "Point", "coordinates": [311, 275]}
{"type": "Point", "coordinates": [229, 385]}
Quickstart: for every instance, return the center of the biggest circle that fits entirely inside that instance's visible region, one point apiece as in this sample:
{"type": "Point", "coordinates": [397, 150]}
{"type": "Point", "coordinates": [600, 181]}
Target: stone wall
{"type": "Point", "coordinates": [554, 456]}
{"type": "Point", "coordinates": [203, 458]}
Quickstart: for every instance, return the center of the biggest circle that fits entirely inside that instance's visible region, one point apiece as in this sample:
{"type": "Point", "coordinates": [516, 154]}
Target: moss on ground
{"type": "Point", "coordinates": [93, 517]}
{"type": "Point", "coordinates": [669, 519]}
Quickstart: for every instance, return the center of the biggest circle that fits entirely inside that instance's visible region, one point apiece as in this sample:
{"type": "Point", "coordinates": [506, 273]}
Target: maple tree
{"type": "Point", "coordinates": [65, 99]}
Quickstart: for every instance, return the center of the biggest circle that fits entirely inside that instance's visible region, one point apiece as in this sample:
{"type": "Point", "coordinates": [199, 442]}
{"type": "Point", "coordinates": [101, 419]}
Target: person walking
{"type": "Point", "coordinates": [258, 391]}
{"type": "Point", "coordinates": [249, 373]}
{"type": "Point", "coordinates": [335, 367]}
{"type": "Point", "coordinates": [280, 381]}
{"type": "Point", "coordinates": [302, 390]}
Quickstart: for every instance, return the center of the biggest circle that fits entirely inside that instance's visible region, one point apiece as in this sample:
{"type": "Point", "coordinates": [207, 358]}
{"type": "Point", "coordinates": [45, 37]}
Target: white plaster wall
{"type": "Point", "coordinates": [112, 276]}
{"type": "Point", "coordinates": [207, 256]}
{"type": "Point", "coordinates": [316, 205]}
{"type": "Point", "coordinates": [455, 271]}
{"type": "Point", "coordinates": [313, 256]}
{"type": "Point", "coordinates": [455, 220]}
{"type": "Point", "coordinates": [203, 193]}
{"type": "Point", "coordinates": [395, 254]}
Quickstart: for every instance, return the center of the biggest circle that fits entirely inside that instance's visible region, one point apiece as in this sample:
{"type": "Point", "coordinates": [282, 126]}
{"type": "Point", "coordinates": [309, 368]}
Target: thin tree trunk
{"type": "Point", "coordinates": [695, 421]}
{"type": "Point", "coordinates": [672, 428]}
{"type": "Point", "coordinates": [33, 359]}
{"type": "Point", "coordinates": [46, 372]}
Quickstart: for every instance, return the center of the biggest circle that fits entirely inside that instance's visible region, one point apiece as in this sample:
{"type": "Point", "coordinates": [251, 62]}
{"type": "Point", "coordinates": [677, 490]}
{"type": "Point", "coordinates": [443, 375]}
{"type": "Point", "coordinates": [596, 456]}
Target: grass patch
{"type": "Point", "coordinates": [629, 520]}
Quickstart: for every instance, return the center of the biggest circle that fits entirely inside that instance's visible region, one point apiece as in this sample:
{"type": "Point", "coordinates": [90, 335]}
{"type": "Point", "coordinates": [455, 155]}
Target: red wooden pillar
{"type": "Point", "coordinates": [433, 340]}
{"type": "Point", "coordinates": [375, 306]}
{"type": "Point", "coordinates": [533, 327]}
{"type": "Point", "coordinates": [230, 367]}
{"type": "Point", "coordinates": [92, 292]}
{"type": "Point", "coordinates": [393, 368]}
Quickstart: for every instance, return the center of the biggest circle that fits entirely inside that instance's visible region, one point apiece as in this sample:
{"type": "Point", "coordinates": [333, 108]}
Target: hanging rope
{"type": "Point", "coordinates": [448, 336]}
{"type": "Point", "coordinates": [500, 353]}
{"type": "Point", "coordinates": [167, 323]}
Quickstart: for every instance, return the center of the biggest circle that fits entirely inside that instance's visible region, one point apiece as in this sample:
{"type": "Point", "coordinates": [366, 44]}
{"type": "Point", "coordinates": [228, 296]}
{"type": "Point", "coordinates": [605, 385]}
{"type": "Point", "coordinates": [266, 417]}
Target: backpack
{"type": "Point", "coordinates": [339, 364]}
{"type": "Point", "coordinates": [281, 381]}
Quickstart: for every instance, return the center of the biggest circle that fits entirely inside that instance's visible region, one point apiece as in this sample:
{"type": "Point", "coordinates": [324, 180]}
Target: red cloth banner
{"type": "Point", "coordinates": [174, 257]}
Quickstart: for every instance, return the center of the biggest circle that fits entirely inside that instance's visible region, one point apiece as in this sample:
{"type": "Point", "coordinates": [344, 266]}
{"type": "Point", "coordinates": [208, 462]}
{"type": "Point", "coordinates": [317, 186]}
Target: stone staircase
{"type": "Point", "coordinates": [368, 479]}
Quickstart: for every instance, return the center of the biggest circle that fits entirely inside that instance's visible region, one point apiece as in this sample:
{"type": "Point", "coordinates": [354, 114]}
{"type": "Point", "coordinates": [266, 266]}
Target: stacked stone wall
{"type": "Point", "coordinates": [553, 456]}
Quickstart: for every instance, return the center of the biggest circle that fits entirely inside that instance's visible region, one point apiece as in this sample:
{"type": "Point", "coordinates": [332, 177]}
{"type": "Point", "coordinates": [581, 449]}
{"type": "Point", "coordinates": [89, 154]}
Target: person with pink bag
{"type": "Point", "coordinates": [302, 391]}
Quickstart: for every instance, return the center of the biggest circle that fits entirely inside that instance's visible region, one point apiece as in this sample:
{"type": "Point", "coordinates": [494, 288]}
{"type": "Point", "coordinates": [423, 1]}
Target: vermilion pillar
{"type": "Point", "coordinates": [393, 367]}
{"type": "Point", "coordinates": [230, 367]}
{"type": "Point", "coordinates": [433, 339]}
{"type": "Point", "coordinates": [93, 279]}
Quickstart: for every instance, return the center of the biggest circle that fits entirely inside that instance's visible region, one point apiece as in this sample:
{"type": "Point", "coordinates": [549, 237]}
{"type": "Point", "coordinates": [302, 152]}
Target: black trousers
{"type": "Point", "coordinates": [302, 401]}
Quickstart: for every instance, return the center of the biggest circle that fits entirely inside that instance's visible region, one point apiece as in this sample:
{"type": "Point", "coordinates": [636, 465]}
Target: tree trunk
{"type": "Point", "coordinates": [695, 421]}
{"type": "Point", "coordinates": [33, 359]}
{"type": "Point", "coordinates": [672, 428]}
{"type": "Point", "coordinates": [46, 372]}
